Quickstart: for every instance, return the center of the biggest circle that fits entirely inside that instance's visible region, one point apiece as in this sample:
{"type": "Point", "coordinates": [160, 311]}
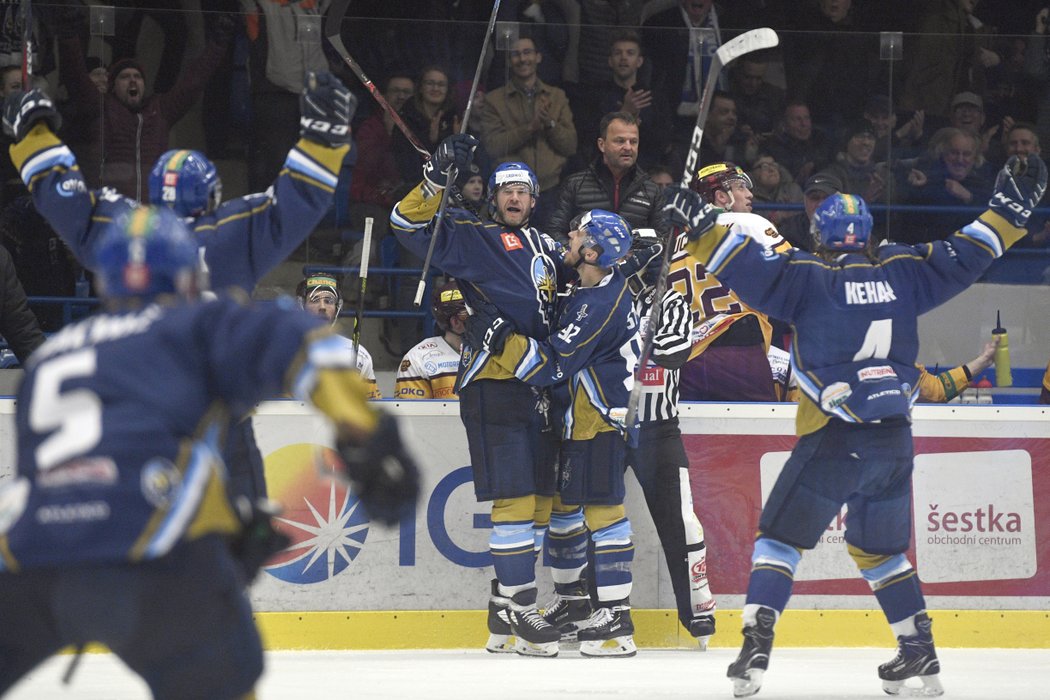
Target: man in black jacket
{"type": "Point", "coordinates": [613, 182]}
{"type": "Point", "coordinates": [18, 325]}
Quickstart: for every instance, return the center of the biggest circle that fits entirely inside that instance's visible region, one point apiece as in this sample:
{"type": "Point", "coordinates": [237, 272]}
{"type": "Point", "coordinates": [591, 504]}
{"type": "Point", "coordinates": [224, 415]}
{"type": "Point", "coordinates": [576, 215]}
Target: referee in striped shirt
{"type": "Point", "coordinates": [659, 461]}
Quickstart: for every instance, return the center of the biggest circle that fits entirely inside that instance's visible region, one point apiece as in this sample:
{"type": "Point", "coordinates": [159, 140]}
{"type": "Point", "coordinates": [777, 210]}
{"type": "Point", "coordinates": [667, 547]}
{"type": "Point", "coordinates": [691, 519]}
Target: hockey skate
{"type": "Point", "coordinates": [534, 636]}
{"type": "Point", "coordinates": [569, 610]}
{"type": "Point", "coordinates": [608, 632]}
{"type": "Point", "coordinates": [702, 628]}
{"type": "Point", "coordinates": [499, 623]}
{"type": "Point", "coordinates": [747, 671]}
{"type": "Point", "coordinates": [916, 658]}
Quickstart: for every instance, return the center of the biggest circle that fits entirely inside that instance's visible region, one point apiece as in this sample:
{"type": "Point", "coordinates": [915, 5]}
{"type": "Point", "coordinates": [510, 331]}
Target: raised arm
{"type": "Point", "coordinates": [49, 170]}
{"type": "Point", "coordinates": [249, 236]}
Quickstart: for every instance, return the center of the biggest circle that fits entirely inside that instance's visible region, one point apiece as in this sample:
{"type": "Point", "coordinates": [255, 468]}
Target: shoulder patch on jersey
{"type": "Point", "coordinates": [511, 242]}
{"type": "Point", "coordinates": [405, 364]}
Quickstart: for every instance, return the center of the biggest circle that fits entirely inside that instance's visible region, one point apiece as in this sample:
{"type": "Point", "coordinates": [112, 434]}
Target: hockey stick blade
{"type": "Point", "coordinates": [332, 26]}
{"type": "Point", "coordinates": [754, 40]}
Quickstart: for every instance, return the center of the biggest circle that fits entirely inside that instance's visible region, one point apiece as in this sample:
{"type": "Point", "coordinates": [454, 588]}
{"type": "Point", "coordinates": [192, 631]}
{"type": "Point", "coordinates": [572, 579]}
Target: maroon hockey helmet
{"type": "Point", "coordinates": [718, 176]}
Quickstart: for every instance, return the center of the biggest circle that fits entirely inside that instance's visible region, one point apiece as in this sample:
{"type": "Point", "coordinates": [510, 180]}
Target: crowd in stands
{"type": "Point", "coordinates": [818, 114]}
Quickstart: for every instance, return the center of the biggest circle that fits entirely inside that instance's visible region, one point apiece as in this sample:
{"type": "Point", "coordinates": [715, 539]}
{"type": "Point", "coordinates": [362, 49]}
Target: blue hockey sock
{"type": "Point", "coordinates": [613, 553]}
{"type": "Point", "coordinates": [773, 565]}
{"type": "Point", "coordinates": [896, 587]}
{"type": "Point", "coordinates": [567, 546]}
{"type": "Point", "coordinates": [513, 557]}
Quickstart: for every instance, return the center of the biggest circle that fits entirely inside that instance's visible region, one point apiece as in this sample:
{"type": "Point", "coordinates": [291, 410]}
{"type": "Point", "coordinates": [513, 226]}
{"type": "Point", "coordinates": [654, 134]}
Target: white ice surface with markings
{"type": "Point", "coordinates": [967, 674]}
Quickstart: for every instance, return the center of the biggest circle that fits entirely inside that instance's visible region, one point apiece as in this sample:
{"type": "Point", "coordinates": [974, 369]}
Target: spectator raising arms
{"type": "Point", "coordinates": [134, 124]}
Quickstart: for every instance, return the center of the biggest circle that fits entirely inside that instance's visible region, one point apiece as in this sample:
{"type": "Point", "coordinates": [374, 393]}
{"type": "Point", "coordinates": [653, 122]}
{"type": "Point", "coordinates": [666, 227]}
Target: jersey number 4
{"type": "Point", "coordinates": [876, 341]}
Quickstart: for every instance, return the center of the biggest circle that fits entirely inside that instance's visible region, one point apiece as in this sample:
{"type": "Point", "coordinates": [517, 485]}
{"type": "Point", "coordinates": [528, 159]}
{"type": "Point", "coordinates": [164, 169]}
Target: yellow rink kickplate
{"type": "Point", "coordinates": [464, 629]}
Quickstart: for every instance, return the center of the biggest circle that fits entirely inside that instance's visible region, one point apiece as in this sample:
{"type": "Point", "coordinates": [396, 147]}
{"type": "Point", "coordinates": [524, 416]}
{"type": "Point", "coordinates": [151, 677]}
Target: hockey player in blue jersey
{"type": "Point", "coordinates": [113, 529]}
{"type": "Point", "coordinates": [240, 240]}
{"type": "Point", "coordinates": [589, 360]}
{"type": "Point", "coordinates": [854, 309]}
{"type": "Point", "coordinates": [513, 448]}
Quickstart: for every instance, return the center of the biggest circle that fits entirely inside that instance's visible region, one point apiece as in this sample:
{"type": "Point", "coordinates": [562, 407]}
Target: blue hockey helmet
{"type": "Point", "coordinates": [145, 252]}
{"type": "Point", "coordinates": [607, 233]}
{"type": "Point", "coordinates": [185, 181]}
{"type": "Point", "coordinates": [513, 173]}
{"type": "Point", "coordinates": [842, 222]}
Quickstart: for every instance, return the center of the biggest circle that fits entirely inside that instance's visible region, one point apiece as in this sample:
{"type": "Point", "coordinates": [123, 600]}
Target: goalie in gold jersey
{"type": "Point", "coordinates": [730, 359]}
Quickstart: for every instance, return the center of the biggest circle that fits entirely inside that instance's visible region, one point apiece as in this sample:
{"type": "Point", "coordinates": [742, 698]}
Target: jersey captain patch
{"type": "Point", "coordinates": [510, 242]}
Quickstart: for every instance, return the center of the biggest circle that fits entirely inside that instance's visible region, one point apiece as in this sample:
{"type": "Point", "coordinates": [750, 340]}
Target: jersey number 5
{"type": "Point", "coordinates": [74, 418]}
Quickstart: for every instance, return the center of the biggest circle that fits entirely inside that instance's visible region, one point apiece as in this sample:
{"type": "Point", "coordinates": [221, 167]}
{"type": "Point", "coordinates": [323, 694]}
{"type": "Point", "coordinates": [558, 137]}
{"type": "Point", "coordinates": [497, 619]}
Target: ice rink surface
{"type": "Point", "coordinates": [970, 674]}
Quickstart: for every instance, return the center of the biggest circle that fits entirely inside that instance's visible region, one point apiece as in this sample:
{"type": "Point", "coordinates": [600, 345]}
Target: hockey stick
{"type": "Point", "coordinates": [332, 25]}
{"type": "Point", "coordinates": [366, 250]}
{"type": "Point", "coordinates": [754, 40]}
{"type": "Point", "coordinates": [26, 11]}
{"type": "Point", "coordinates": [452, 174]}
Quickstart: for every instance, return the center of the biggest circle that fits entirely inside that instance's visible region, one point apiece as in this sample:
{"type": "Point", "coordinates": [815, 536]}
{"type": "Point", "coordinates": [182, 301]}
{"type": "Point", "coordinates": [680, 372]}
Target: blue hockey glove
{"type": "Point", "coordinates": [687, 210]}
{"type": "Point", "coordinates": [486, 329]}
{"type": "Point", "coordinates": [1018, 189]}
{"type": "Point", "coordinates": [326, 108]}
{"type": "Point", "coordinates": [644, 261]}
{"type": "Point", "coordinates": [22, 110]}
{"type": "Point", "coordinates": [455, 151]}
{"type": "Point", "coordinates": [383, 475]}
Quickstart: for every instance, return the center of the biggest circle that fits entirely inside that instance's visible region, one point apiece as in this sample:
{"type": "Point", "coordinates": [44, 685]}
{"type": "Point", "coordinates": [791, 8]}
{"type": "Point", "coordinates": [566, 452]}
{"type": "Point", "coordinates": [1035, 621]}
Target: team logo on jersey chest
{"type": "Point", "coordinates": [546, 286]}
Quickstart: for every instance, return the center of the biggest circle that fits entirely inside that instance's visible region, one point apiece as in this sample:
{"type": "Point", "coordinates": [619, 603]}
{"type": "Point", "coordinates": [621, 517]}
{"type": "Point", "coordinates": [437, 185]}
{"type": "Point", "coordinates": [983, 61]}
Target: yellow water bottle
{"type": "Point", "coordinates": [1003, 377]}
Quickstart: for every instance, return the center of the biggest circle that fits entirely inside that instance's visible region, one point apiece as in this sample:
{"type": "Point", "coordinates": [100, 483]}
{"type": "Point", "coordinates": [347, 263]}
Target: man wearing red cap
{"type": "Point", "coordinates": [135, 126]}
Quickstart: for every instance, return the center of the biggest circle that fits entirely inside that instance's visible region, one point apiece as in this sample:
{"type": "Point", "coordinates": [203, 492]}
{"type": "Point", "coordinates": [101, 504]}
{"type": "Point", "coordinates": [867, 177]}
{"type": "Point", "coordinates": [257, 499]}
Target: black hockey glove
{"type": "Point", "coordinates": [645, 260]}
{"type": "Point", "coordinates": [486, 329]}
{"type": "Point", "coordinates": [382, 473]}
{"type": "Point", "coordinates": [455, 151]}
{"type": "Point", "coordinates": [257, 540]}
{"type": "Point", "coordinates": [326, 108]}
{"type": "Point", "coordinates": [22, 110]}
{"type": "Point", "coordinates": [1018, 188]}
{"type": "Point", "coordinates": [687, 210]}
